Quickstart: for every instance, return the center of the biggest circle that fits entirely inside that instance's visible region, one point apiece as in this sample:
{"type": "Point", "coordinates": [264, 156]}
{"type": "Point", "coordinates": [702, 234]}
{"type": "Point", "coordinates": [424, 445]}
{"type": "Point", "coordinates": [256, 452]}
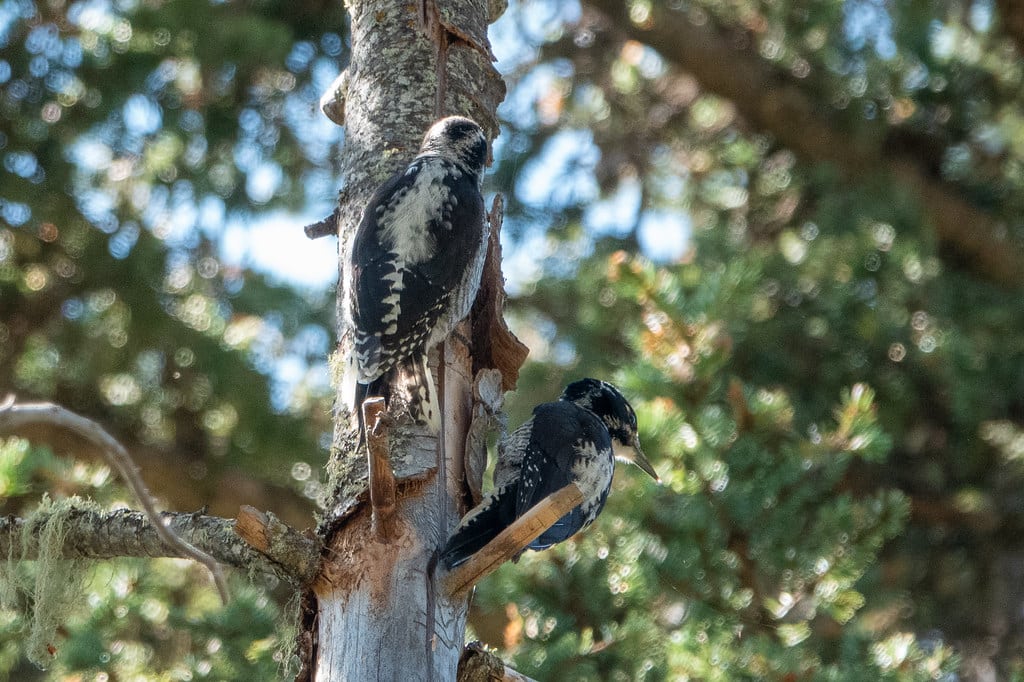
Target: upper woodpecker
{"type": "Point", "coordinates": [575, 439]}
{"type": "Point", "coordinates": [416, 261]}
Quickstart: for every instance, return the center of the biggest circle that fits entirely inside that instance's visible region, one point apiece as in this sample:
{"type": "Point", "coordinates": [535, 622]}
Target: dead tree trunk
{"type": "Point", "coordinates": [376, 611]}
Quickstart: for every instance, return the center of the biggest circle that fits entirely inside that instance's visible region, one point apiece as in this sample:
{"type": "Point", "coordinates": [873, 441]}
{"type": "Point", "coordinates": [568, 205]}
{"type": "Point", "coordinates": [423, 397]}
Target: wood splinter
{"type": "Point", "coordinates": [514, 539]}
{"type": "Point", "coordinates": [383, 489]}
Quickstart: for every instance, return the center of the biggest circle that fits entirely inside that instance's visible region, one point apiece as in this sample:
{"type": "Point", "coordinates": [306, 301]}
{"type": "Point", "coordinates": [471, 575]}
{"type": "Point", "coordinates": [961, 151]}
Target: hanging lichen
{"type": "Point", "coordinates": [57, 587]}
{"type": "Point", "coordinates": [286, 654]}
{"type": "Point", "coordinates": [9, 580]}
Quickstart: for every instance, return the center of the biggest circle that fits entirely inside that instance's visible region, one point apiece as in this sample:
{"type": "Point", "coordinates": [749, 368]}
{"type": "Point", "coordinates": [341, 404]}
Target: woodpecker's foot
{"type": "Point", "coordinates": [460, 338]}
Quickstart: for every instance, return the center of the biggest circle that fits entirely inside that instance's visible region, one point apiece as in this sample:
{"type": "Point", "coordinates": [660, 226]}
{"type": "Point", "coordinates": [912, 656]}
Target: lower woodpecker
{"type": "Point", "coordinates": [575, 439]}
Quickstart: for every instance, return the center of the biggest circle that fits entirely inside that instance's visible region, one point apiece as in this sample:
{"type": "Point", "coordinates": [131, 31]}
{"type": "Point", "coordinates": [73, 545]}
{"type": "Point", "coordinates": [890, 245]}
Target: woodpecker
{"type": "Point", "coordinates": [415, 268]}
{"type": "Point", "coordinates": [575, 439]}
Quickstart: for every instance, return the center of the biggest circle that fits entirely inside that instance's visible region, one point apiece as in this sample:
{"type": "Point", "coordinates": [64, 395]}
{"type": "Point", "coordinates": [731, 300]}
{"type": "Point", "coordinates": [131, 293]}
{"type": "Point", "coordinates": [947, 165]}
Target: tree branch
{"type": "Point", "coordinates": [383, 489]}
{"type": "Point", "coordinates": [770, 101]}
{"type": "Point", "coordinates": [295, 552]}
{"type": "Point", "coordinates": [13, 415]}
{"type": "Point", "coordinates": [129, 533]}
{"type": "Point", "coordinates": [477, 664]}
{"type": "Point", "coordinates": [325, 227]}
{"type": "Point", "coordinates": [514, 539]}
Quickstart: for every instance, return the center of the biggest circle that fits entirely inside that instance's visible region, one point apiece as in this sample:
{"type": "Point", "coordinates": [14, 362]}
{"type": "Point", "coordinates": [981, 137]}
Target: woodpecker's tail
{"type": "Point", "coordinates": [480, 525]}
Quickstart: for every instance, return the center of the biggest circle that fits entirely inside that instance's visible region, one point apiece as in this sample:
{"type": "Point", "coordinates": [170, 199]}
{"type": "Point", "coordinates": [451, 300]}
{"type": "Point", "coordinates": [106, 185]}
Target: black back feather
{"type": "Point", "coordinates": [551, 452]}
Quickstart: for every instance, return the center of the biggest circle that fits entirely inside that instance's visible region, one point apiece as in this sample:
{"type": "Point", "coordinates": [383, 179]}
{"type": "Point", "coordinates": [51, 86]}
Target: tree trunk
{"type": "Point", "coordinates": [378, 612]}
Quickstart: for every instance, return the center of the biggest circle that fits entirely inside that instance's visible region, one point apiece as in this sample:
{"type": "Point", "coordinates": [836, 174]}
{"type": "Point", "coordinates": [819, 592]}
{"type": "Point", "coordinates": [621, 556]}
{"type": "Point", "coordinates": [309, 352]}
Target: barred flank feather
{"type": "Point", "coordinates": [413, 385]}
{"type": "Point", "coordinates": [409, 386]}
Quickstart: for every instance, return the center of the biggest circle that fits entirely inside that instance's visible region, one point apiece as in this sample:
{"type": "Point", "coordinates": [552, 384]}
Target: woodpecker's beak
{"type": "Point", "coordinates": [640, 459]}
{"type": "Point", "coordinates": [634, 454]}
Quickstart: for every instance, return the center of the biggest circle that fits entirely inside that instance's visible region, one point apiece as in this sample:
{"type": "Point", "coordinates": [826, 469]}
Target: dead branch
{"type": "Point", "coordinates": [278, 542]}
{"type": "Point", "coordinates": [130, 533]}
{"type": "Point", "coordinates": [332, 103]}
{"type": "Point", "coordinates": [383, 489]}
{"type": "Point", "coordinates": [13, 415]}
{"type": "Point", "coordinates": [326, 227]}
{"type": "Point", "coordinates": [514, 539]}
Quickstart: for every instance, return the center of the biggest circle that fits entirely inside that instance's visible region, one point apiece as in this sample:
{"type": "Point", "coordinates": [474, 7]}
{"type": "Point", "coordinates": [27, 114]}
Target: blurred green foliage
{"type": "Point", "coordinates": [831, 393]}
{"type": "Point", "coordinates": [751, 561]}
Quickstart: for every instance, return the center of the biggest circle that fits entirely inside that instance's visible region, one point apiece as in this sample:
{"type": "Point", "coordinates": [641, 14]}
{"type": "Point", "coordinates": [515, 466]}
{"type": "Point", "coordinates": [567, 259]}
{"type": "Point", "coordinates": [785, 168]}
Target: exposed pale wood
{"type": "Point", "coordinates": [514, 539]}
{"type": "Point", "coordinates": [379, 615]}
{"type": "Point", "coordinates": [295, 552]}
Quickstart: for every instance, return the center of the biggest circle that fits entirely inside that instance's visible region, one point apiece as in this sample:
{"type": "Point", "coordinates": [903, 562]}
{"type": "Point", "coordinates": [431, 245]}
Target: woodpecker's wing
{"type": "Point", "coordinates": [412, 250]}
{"type": "Point", "coordinates": [567, 444]}
{"type": "Point", "coordinates": [479, 526]}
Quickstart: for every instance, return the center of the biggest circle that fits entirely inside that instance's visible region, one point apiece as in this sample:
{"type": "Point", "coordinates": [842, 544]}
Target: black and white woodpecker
{"type": "Point", "coordinates": [575, 439]}
{"type": "Point", "coordinates": [415, 268]}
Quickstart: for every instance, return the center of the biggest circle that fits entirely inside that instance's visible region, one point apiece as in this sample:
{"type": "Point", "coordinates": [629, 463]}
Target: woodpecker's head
{"type": "Point", "coordinates": [458, 139]}
{"type": "Point", "coordinates": [611, 406]}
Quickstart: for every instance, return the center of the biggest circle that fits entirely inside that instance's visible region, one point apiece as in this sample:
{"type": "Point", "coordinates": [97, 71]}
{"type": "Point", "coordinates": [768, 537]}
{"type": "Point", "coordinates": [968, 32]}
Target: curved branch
{"type": "Point", "coordinates": [13, 415]}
